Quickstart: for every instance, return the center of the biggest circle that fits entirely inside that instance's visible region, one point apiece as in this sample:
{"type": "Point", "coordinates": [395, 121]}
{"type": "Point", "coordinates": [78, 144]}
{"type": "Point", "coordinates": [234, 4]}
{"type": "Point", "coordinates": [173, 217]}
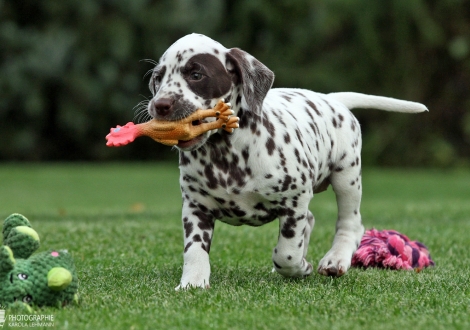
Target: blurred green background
{"type": "Point", "coordinates": [70, 70]}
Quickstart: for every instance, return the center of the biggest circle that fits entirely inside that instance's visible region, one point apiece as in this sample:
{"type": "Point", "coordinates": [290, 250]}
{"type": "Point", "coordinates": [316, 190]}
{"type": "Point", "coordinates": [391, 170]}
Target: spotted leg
{"type": "Point", "coordinates": [349, 228]}
{"type": "Point", "coordinates": [308, 231]}
{"type": "Point", "coordinates": [289, 253]}
{"type": "Point", "coordinates": [198, 229]}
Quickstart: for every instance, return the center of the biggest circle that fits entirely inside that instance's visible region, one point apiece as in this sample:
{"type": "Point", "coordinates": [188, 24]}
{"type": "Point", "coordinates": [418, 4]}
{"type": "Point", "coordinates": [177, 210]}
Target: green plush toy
{"type": "Point", "coordinates": [44, 279]}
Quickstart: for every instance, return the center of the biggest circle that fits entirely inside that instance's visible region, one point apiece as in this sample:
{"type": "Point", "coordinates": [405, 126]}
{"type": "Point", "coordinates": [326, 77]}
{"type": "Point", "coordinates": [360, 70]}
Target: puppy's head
{"type": "Point", "coordinates": [196, 72]}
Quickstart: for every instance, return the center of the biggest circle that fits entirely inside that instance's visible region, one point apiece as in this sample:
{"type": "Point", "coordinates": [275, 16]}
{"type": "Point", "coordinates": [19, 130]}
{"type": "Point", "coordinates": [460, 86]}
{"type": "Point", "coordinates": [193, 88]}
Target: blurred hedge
{"type": "Point", "coordinates": [71, 69]}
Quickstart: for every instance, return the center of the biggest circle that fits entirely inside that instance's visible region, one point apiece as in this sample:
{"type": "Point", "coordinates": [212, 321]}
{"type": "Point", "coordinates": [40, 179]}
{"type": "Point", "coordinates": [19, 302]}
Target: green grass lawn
{"type": "Point", "coordinates": [122, 225]}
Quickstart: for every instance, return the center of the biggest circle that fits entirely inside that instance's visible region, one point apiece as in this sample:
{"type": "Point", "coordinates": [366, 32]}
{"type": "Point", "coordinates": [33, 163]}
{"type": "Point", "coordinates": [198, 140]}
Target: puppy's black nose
{"type": "Point", "coordinates": [162, 107]}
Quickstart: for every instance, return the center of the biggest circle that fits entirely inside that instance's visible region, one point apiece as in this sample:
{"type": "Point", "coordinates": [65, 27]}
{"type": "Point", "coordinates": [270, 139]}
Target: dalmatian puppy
{"type": "Point", "coordinates": [291, 143]}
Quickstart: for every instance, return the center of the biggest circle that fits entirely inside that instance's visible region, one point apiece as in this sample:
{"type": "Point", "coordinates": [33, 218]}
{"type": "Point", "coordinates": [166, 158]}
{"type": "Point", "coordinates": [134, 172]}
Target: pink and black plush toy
{"type": "Point", "coordinates": [392, 250]}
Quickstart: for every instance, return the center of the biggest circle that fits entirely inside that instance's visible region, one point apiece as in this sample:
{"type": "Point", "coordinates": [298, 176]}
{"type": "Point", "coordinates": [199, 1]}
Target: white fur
{"type": "Point", "coordinates": [357, 100]}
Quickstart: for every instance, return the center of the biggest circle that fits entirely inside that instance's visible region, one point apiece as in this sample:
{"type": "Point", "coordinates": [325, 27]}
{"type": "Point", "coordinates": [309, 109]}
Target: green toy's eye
{"type": "Point", "coordinates": [27, 299]}
{"type": "Point", "coordinates": [23, 276]}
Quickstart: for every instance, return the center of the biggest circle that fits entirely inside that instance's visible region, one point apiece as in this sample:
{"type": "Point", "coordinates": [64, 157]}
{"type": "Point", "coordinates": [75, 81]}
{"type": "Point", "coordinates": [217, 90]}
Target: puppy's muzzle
{"type": "Point", "coordinates": [161, 108]}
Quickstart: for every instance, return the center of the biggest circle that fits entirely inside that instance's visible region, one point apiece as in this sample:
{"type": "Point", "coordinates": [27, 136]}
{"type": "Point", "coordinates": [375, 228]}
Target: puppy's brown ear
{"type": "Point", "coordinates": [256, 79]}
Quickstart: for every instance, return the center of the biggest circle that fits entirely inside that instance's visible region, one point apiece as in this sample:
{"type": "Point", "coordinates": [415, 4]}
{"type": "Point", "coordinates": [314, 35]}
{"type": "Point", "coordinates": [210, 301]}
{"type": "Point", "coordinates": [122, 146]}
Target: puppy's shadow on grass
{"type": "Point", "coordinates": [250, 278]}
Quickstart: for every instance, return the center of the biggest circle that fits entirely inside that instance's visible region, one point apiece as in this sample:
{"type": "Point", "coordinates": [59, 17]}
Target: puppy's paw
{"type": "Point", "coordinates": [288, 270]}
{"type": "Point", "coordinates": [188, 285]}
{"type": "Point", "coordinates": [334, 264]}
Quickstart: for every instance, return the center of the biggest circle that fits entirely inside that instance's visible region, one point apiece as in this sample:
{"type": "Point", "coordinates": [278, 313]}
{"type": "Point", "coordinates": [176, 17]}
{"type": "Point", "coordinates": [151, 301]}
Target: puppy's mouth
{"type": "Point", "coordinates": [190, 144]}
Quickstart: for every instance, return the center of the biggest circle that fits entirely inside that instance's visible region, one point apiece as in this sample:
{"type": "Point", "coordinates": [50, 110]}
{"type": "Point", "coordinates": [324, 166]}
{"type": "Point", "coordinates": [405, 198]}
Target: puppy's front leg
{"type": "Point", "coordinates": [198, 228]}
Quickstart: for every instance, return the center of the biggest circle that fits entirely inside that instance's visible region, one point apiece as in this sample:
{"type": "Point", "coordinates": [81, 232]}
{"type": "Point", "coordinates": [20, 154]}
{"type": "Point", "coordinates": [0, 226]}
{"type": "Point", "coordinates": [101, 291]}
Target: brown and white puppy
{"type": "Point", "coordinates": [291, 144]}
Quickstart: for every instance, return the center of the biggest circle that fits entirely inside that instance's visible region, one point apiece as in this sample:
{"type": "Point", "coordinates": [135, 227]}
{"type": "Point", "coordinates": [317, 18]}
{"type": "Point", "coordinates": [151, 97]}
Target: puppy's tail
{"type": "Point", "coordinates": [357, 100]}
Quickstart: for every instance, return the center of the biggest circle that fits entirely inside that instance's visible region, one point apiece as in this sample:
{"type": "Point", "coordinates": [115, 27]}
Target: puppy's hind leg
{"type": "Point", "coordinates": [289, 253]}
{"type": "Point", "coordinates": [349, 229]}
{"type": "Point", "coordinates": [308, 231]}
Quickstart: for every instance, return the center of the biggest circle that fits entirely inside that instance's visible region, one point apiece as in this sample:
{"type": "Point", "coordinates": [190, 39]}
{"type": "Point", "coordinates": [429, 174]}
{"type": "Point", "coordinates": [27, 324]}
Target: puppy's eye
{"type": "Point", "coordinates": [155, 84]}
{"type": "Point", "coordinates": [157, 80]}
{"type": "Point", "coordinates": [196, 76]}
